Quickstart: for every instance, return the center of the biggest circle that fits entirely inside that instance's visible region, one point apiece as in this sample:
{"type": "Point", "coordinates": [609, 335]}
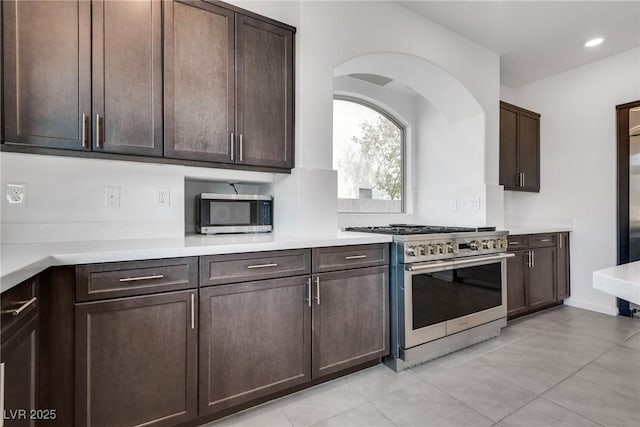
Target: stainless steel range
{"type": "Point", "coordinates": [448, 289]}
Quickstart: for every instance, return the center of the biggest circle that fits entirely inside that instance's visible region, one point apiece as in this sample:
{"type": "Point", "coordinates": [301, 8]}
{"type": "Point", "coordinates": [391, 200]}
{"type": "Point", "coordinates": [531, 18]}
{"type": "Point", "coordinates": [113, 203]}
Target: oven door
{"type": "Point", "coordinates": [445, 297]}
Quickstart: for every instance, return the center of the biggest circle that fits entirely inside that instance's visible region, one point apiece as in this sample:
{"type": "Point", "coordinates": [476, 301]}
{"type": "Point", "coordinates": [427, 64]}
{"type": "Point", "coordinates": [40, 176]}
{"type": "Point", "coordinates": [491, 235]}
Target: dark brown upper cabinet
{"type": "Point", "coordinates": [228, 87]}
{"type": "Point", "coordinates": [47, 73]}
{"type": "Point", "coordinates": [519, 148]}
{"type": "Point", "coordinates": [84, 75]}
{"type": "Point", "coordinates": [127, 76]}
{"type": "Point", "coordinates": [264, 61]}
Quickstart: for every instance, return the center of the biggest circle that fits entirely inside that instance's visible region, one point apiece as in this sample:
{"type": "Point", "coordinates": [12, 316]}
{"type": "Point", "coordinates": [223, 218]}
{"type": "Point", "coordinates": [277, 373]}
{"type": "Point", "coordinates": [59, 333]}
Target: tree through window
{"type": "Point", "coordinates": [368, 155]}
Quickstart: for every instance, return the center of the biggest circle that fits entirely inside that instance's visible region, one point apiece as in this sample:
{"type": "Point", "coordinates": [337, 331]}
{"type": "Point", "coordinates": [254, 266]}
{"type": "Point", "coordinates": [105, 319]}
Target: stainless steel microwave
{"type": "Point", "coordinates": [233, 213]}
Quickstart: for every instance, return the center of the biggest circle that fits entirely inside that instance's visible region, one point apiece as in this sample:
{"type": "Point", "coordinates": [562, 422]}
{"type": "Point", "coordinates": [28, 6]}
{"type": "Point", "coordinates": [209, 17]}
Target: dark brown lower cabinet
{"type": "Point", "coordinates": [255, 339]}
{"type": "Point", "coordinates": [136, 360]}
{"type": "Point", "coordinates": [350, 318]}
{"type": "Point", "coordinates": [516, 283]}
{"type": "Point", "coordinates": [538, 273]}
{"type": "Point", "coordinates": [19, 356]}
{"type": "Point", "coordinates": [542, 277]}
{"type": "Point", "coordinates": [563, 276]}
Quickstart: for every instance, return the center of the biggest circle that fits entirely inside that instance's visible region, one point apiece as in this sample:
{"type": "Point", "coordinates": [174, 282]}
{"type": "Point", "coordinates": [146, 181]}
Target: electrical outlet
{"type": "Point", "coordinates": [164, 197]}
{"type": "Point", "coordinates": [453, 204]}
{"type": "Point", "coordinates": [112, 197]}
{"type": "Point", "coordinates": [16, 193]}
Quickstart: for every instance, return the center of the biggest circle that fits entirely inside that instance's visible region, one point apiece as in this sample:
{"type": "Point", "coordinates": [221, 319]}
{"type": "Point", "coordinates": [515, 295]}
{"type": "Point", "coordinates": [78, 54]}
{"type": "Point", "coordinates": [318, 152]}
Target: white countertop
{"type": "Point", "coordinates": [19, 262]}
{"type": "Point", "coordinates": [535, 229]}
{"type": "Point", "coordinates": [622, 281]}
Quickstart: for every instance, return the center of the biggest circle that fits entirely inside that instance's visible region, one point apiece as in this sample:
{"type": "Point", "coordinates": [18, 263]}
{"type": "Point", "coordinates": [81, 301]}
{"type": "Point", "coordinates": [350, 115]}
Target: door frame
{"type": "Point", "coordinates": [622, 185]}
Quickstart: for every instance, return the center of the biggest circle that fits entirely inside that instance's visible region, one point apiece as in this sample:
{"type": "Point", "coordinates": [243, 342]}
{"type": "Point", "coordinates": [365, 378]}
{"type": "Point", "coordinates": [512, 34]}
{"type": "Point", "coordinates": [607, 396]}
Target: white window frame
{"type": "Point", "coordinates": [403, 152]}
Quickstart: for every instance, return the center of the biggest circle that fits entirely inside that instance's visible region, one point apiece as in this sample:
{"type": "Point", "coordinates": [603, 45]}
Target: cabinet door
{"type": "Point", "coordinates": [509, 148]}
{"type": "Point", "coordinates": [264, 93]}
{"type": "Point", "coordinates": [198, 81]}
{"type": "Point", "coordinates": [542, 277]}
{"type": "Point", "coordinates": [529, 150]}
{"type": "Point", "coordinates": [564, 277]}
{"type": "Point", "coordinates": [254, 340]}
{"type": "Point", "coordinates": [20, 358]}
{"type": "Point", "coordinates": [350, 318]}
{"type": "Point", "coordinates": [136, 361]}
{"type": "Point", "coordinates": [516, 283]}
{"type": "Point", "coordinates": [127, 76]}
{"type": "Point", "coordinates": [47, 73]}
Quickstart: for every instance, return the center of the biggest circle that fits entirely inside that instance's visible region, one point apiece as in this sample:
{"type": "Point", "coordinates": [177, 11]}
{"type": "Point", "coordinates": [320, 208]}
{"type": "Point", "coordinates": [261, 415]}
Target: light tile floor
{"type": "Point", "coordinates": [561, 367]}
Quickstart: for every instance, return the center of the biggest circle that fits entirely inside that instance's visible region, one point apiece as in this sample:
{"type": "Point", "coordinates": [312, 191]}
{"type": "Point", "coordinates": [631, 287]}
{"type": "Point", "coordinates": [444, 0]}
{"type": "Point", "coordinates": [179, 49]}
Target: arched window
{"type": "Point", "coordinates": [368, 153]}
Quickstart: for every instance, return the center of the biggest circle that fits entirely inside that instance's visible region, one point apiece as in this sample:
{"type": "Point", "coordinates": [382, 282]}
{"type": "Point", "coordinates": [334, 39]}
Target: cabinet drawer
{"type": "Point", "coordinates": [346, 257]}
{"type": "Point", "coordinates": [517, 242]}
{"type": "Point", "coordinates": [542, 240]}
{"type": "Point", "coordinates": [220, 269]}
{"type": "Point", "coordinates": [120, 279]}
{"type": "Point", "coordinates": [17, 303]}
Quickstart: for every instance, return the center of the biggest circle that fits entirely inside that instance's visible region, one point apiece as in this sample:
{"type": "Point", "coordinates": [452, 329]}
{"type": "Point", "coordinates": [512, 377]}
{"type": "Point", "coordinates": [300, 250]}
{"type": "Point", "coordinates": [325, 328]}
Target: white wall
{"type": "Point", "coordinates": [578, 163]}
{"type": "Point", "coordinates": [329, 34]}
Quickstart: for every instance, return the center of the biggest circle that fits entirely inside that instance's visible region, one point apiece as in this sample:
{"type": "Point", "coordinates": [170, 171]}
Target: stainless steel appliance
{"type": "Point", "coordinates": [233, 213]}
{"type": "Point", "coordinates": [448, 289]}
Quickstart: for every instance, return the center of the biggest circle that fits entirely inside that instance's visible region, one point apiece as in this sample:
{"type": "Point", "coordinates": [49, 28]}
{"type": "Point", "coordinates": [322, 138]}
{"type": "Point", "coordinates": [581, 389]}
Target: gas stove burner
{"type": "Point", "coordinates": [411, 229]}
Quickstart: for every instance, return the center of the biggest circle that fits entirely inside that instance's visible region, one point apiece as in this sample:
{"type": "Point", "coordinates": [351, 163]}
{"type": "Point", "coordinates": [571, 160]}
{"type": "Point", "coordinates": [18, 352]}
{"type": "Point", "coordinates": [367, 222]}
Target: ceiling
{"type": "Point", "coordinates": [537, 39]}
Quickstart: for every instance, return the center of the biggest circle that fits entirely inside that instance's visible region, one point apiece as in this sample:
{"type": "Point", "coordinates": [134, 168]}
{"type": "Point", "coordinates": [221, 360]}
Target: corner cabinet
{"type": "Point", "coordinates": [19, 355]}
{"type": "Point", "coordinates": [228, 87]}
{"type": "Point", "coordinates": [519, 148]}
{"type": "Point", "coordinates": [538, 273]}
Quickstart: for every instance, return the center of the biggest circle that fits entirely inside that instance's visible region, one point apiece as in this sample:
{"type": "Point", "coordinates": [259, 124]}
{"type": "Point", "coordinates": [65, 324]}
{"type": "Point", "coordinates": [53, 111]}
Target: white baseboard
{"type": "Point", "coordinates": [604, 309]}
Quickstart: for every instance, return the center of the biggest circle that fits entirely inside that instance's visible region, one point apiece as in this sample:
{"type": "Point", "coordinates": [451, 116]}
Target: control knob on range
{"type": "Point", "coordinates": [452, 248]}
{"type": "Point", "coordinates": [411, 251]}
{"type": "Point", "coordinates": [440, 248]}
{"type": "Point", "coordinates": [431, 250]}
{"type": "Point", "coordinates": [421, 250]}
{"type": "Point", "coordinates": [475, 245]}
{"type": "Point", "coordinates": [488, 244]}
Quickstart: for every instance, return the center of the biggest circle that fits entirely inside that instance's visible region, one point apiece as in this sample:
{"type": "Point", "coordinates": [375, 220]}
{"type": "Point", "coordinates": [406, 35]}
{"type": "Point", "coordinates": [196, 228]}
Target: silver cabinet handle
{"type": "Point", "coordinates": [514, 243]}
{"type": "Point", "coordinates": [522, 180]}
{"type": "Point", "coordinates": [355, 257]}
{"type": "Point", "coordinates": [308, 298]}
{"type": "Point", "coordinates": [23, 307]}
{"type": "Point", "coordinates": [241, 150]}
{"type": "Point", "coordinates": [232, 142]}
{"type": "Point", "coordinates": [84, 130]}
{"type": "Point", "coordinates": [545, 240]}
{"type": "Point", "coordinates": [135, 279]}
{"type": "Point", "coordinates": [193, 311]}
{"type": "Point", "coordinates": [318, 290]}
{"type": "Point", "coordinates": [533, 259]}
{"type": "Point", "coordinates": [560, 240]}
{"type": "Point", "coordinates": [529, 259]}
{"type": "Point", "coordinates": [98, 131]}
{"type": "Point", "coordinates": [262, 265]}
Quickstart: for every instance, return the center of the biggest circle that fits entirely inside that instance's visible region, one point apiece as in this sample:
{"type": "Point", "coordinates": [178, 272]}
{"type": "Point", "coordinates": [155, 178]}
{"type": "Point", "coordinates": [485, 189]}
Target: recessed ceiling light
{"type": "Point", "coordinates": [594, 42]}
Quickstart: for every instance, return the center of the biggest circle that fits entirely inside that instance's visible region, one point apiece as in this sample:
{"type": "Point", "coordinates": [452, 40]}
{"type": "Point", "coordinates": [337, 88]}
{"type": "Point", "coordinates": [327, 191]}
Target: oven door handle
{"type": "Point", "coordinates": [444, 265]}
{"type": "Point", "coordinates": [483, 259]}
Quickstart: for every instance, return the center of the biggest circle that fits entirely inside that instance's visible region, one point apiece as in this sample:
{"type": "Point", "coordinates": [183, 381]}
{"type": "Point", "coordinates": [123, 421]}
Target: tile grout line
{"type": "Point", "coordinates": [572, 411]}
{"type": "Point", "coordinates": [458, 400]}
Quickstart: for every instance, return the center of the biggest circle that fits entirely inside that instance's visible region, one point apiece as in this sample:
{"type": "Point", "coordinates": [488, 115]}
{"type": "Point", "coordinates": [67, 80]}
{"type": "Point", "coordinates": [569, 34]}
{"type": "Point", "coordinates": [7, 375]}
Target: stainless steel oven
{"type": "Point", "coordinates": [441, 298]}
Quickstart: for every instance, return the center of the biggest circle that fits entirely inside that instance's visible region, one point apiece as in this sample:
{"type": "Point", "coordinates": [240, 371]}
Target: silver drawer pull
{"type": "Point", "coordinates": [262, 265]}
{"type": "Point", "coordinates": [355, 257]}
{"type": "Point", "coordinates": [514, 243]}
{"type": "Point", "coordinates": [545, 240]}
{"type": "Point", "coordinates": [135, 279]}
{"type": "Point", "coordinates": [23, 307]}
